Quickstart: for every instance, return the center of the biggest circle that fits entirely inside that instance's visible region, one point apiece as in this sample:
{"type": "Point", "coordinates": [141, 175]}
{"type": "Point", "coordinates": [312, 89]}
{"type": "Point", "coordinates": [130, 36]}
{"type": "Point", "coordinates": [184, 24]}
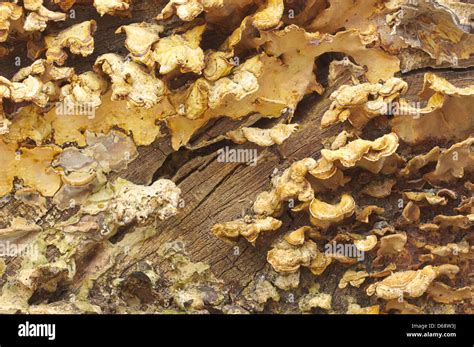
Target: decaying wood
{"type": "Point", "coordinates": [213, 191]}
{"type": "Point", "coordinates": [217, 192]}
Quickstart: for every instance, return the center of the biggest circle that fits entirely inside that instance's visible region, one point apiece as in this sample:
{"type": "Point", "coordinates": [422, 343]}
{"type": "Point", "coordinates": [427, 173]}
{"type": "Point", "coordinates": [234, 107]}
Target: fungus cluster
{"type": "Point", "coordinates": [384, 200]}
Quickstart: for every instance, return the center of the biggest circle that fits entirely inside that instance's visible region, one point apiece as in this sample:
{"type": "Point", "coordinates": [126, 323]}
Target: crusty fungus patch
{"type": "Point", "coordinates": [292, 184]}
{"type": "Point", "coordinates": [37, 19]}
{"type": "Point", "coordinates": [287, 258]}
{"type": "Point", "coordinates": [32, 166]}
{"type": "Point", "coordinates": [324, 214]}
{"type": "Point", "coordinates": [263, 137]}
{"type": "Point", "coordinates": [248, 227]}
{"type": "Point", "coordinates": [9, 12]}
{"type": "Point", "coordinates": [411, 284]}
{"type": "Point", "coordinates": [77, 38]}
{"type": "Point", "coordinates": [130, 81]}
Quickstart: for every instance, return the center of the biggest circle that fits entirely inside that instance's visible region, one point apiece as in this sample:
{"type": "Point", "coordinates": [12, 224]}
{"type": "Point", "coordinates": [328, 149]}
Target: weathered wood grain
{"type": "Point", "coordinates": [212, 191]}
